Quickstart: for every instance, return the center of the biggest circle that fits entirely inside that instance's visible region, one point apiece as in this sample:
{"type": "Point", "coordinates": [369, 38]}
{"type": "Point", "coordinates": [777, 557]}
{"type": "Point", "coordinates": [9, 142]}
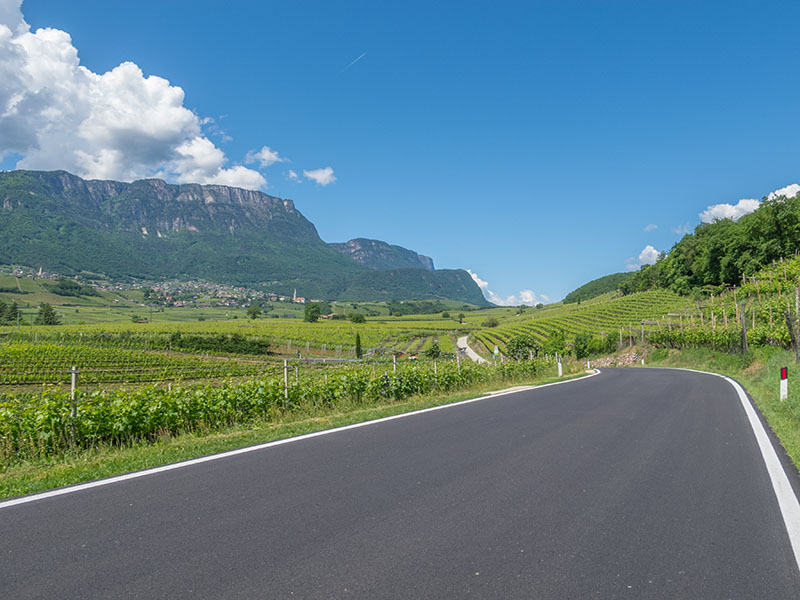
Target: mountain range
{"type": "Point", "coordinates": [151, 229]}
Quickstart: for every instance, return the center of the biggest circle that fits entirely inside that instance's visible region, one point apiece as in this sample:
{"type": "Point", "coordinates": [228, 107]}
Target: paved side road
{"type": "Point", "coordinates": [636, 483]}
{"type": "Point", "coordinates": [474, 356]}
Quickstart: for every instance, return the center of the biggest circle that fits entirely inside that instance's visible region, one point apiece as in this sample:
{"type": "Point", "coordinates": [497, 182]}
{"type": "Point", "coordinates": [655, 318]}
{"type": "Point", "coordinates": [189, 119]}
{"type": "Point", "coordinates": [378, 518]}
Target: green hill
{"type": "Point", "coordinates": [597, 287]}
{"type": "Point", "coordinates": [151, 229]}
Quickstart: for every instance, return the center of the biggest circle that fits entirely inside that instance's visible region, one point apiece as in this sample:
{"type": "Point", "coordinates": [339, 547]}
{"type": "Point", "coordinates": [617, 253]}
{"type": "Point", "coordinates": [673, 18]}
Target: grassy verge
{"type": "Point", "coordinates": [106, 461]}
{"type": "Point", "coordinates": [759, 373]}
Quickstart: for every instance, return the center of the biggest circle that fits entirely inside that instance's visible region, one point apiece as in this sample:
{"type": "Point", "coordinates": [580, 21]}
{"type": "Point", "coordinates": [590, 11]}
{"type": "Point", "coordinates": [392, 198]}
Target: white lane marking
{"type": "Point", "coordinates": [203, 459]}
{"type": "Point", "coordinates": [787, 500]}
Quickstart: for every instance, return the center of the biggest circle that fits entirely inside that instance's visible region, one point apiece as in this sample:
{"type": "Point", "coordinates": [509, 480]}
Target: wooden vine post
{"type": "Point", "coordinates": [743, 321]}
{"type": "Point", "coordinates": [793, 323]}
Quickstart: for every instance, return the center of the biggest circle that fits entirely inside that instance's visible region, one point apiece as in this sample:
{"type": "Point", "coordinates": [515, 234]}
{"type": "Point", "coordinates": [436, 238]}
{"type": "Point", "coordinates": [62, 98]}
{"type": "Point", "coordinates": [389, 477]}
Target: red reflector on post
{"type": "Point", "coordinates": [784, 374]}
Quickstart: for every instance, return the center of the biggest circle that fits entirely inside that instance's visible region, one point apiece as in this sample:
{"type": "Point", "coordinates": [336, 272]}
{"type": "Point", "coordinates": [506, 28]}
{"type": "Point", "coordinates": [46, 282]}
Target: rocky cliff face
{"type": "Point", "coordinates": [375, 254]}
{"type": "Point", "coordinates": [154, 207]}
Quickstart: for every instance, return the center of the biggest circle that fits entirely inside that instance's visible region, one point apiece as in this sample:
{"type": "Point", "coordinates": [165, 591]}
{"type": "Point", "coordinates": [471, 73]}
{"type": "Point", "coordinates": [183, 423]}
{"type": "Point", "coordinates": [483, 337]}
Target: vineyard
{"type": "Point", "coordinates": [225, 372]}
{"type": "Point", "coordinates": [47, 363]}
{"type": "Point", "coordinates": [661, 318]}
{"type": "Point", "coordinates": [327, 338]}
{"type": "Point", "coordinates": [48, 423]}
{"type": "Point", "coordinates": [604, 316]}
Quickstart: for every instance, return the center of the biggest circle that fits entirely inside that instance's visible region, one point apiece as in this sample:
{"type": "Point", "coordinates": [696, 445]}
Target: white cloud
{"type": "Point", "coordinates": [322, 176]}
{"type": "Point", "coordinates": [527, 297]}
{"type": "Point", "coordinates": [790, 191]}
{"type": "Point", "coordinates": [729, 211]}
{"type": "Point", "coordinates": [293, 176]}
{"type": "Point", "coordinates": [120, 124]}
{"type": "Point", "coordinates": [682, 229]}
{"type": "Point", "coordinates": [651, 227]}
{"type": "Point", "coordinates": [265, 157]}
{"type": "Point", "coordinates": [648, 255]}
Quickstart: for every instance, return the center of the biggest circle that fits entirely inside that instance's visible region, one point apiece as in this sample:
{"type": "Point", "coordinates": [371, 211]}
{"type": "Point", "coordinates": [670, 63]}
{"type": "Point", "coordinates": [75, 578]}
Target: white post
{"type": "Point", "coordinates": [458, 361]}
{"type": "Point", "coordinates": [285, 380]}
{"type": "Point", "coordinates": [73, 409]}
{"type": "Point", "coordinates": [588, 364]}
{"type": "Point", "coordinates": [560, 371]}
{"type": "Point", "coordinates": [642, 362]}
{"type": "Point", "coordinates": [394, 362]}
{"type": "Point", "coordinates": [784, 383]}
{"type": "Point", "coordinates": [435, 372]}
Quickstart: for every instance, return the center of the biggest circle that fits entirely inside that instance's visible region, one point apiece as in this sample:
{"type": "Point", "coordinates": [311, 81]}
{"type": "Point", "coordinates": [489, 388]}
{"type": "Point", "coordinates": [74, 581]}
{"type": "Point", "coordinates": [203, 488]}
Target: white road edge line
{"type": "Point", "coordinates": [195, 461]}
{"type": "Point", "coordinates": [787, 500]}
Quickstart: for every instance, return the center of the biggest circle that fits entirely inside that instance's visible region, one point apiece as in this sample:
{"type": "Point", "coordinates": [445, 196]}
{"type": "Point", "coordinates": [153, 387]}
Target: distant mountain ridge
{"type": "Point", "coordinates": [152, 229]}
{"type": "Point", "coordinates": [375, 254]}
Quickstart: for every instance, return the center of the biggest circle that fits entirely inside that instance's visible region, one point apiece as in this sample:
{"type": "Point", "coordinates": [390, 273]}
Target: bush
{"type": "Point", "coordinates": [47, 316]}
{"type": "Point", "coordinates": [522, 346]}
{"type": "Point", "coordinates": [490, 322]}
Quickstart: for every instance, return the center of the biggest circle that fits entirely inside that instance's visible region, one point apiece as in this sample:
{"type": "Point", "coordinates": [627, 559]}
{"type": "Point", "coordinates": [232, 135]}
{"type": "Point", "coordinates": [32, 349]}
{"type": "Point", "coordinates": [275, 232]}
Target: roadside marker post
{"type": "Point", "coordinates": [73, 409]}
{"type": "Point", "coordinates": [285, 381]}
{"type": "Point", "coordinates": [784, 383]}
{"type": "Point", "coordinates": [560, 371]}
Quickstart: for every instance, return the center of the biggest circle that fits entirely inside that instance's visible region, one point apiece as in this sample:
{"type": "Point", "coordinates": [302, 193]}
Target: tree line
{"type": "Point", "coordinates": [716, 255]}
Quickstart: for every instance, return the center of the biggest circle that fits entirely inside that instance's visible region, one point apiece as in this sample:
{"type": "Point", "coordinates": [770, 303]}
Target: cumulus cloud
{"type": "Point", "coordinates": [745, 206]}
{"type": "Point", "coordinates": [790, 191]}
{"type": "Point", "coordinates": [323, 177]}
{"type": "Point", "coordinates": [651, 227]}
{"type": "Point", "coordinates": [526, 297]}
{"type": "Point", "coordinates": [682, 229]}
{"type": "Point", "coordinates": [648, 256]}
{"type": "Point", "coordinates": [293, 177]}
{"type": "Point", "coordinates": [265, 157]}
{"type": "Point", "coordinates": [729, 211]}
{"type": "Point", "coordinates": [121, 124]}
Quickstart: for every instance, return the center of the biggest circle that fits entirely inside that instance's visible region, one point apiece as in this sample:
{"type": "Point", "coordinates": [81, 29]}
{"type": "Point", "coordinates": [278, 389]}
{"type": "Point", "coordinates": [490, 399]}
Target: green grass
{"type": "Point", "coordinates": [39, 475]}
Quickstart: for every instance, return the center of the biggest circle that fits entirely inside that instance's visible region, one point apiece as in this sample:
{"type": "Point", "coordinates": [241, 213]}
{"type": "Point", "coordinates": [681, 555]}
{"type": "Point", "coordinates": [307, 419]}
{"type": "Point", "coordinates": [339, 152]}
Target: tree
{"type": "Point", "coordinates": [433, 350]}
{"type": "Point", "coordinates": [357, 318]}
{"type": "Point", "coordinates": [461, 318]}
{"type": "Point", "coordinates": [445, 315]}
{"type": "Point", "coordinates": [582, 345]}
{"type": "Point", "coordinates": [490, 322]}
{"type": "Point", "coordinates": [47, 316]}
{"type": "Point", "coordinates": [8, 312]}
{"type": "Point", "coordinates": [311, 313]}
{"type": "Point", "coordinates": [522, 346]}
{"type": "Point", "coordinates": [254, 311]}
{"type": "Point", "coordinates": [555, 343]}
{"type": "Point", "coordinates": [358, 345]}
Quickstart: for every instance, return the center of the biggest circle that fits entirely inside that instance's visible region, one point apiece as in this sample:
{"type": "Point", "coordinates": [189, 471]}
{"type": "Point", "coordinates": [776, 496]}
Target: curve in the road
{"type": "Point", "coordinates": [641, 483]}
{"type": "Point", "coordinates": [474, 356]}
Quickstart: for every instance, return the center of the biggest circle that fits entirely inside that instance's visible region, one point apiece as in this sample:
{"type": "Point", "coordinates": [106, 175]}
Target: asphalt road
{"type": "Point", "coordinates": [636, 483]}
{"type": "Point", "coordinates": [473, 356]}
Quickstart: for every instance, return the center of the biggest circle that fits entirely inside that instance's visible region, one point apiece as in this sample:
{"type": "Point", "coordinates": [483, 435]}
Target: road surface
{"type": "Point", "coordinates": [635, 483]}
{"type": "Point", "coordinates": [474, 356]}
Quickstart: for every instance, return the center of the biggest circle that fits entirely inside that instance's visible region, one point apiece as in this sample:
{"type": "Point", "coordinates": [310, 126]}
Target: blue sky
{"type": "Point", "coordinates": [531, 142]}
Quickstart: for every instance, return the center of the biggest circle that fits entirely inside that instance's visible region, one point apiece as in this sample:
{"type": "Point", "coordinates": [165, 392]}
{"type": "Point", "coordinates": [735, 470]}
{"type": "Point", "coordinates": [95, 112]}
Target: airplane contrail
{"type": "Point", "coordinates": [354, 62]}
